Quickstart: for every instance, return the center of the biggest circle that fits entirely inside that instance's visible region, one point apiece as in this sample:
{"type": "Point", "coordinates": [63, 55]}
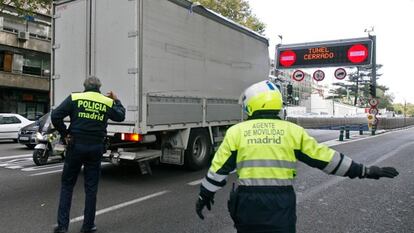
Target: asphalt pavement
{"type": "Point", "coordinates": [164, 202]}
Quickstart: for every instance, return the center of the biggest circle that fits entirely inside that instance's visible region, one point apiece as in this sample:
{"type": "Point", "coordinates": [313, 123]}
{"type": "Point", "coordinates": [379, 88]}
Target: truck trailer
{"type": "Point", "coordinates": [177, 67]}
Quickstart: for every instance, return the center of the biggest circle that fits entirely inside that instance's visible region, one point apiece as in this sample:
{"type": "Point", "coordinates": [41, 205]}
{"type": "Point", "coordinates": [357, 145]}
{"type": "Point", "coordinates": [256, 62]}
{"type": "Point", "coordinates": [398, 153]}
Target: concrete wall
{"type": "Point", "coordinates": [10, 39]}
{"type": "Point", "coordinates": [24, 81]}
{"type": "Point", "coordinates": [353, 122]}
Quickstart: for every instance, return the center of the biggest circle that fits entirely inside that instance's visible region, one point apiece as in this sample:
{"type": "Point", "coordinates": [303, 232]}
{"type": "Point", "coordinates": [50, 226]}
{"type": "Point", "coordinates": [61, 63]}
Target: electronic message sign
{"type": "Point", "coordinates": [352, 52]}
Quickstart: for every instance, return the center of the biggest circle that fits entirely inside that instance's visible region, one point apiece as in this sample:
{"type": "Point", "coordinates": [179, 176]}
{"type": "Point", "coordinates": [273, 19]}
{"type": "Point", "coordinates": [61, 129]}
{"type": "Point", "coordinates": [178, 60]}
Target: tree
{"type": "Point", "coordinates": [27, 7]}
{"type": "Point", "coordinates": [357, 86]}
{"type": "Point", "coordinates": [236, 10]}
{"type": "Point", "coordinates": [385, 99]}
{"type": "Point", "coordinates": [404, 109]}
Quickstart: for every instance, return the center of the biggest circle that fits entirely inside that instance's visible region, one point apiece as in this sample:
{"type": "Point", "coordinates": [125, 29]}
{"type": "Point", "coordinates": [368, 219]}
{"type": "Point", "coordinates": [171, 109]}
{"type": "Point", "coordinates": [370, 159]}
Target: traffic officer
{"type": "Point", "coordinates": [89, 112]}
{"type": "Point", "coordinates": [265, 151]}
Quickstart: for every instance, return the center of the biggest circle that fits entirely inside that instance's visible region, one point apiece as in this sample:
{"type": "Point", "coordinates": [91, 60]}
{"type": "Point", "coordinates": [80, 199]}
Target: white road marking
{"type": "Point", "coordinates": [17, 163]}
{"type": "Point", "coordinates": [104, 164]}
{"type": "Point", "coordinates": [196, 182]}
{"type": "Point", "coordinates": [37, 168]}
{"type": "Point", "coordinates": [14, 167]}
{"type": "Point", "coordinates": [337, 179]}
{"type": "Point", "coordinates": [14, 162]}
{"type": "Point", "coordinates": [45, 173]}
{"type": "Point", "coordinates": [16, 156]}
{"type": "Point", "coordinates": [122, 205]}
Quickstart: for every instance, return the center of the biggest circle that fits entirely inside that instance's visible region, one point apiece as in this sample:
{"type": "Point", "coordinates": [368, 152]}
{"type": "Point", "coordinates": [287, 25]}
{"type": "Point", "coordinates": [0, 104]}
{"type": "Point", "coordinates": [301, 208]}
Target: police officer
{"type": "Point", "coordinates": [265, 150]}
{"type": "Point", "coordinates": [89, 112]}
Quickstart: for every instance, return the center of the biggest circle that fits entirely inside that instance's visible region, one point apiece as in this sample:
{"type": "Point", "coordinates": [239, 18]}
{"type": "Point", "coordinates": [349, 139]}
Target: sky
{"type": "Point", "coordinates": [300, 21]}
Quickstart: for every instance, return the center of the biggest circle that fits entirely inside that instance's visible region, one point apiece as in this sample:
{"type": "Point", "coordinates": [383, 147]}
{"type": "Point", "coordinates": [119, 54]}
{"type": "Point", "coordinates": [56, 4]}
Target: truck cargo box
{"type": "Point", "coordinates": [171, 63]}
{"type": "Point", "coordinates": [178, 68]}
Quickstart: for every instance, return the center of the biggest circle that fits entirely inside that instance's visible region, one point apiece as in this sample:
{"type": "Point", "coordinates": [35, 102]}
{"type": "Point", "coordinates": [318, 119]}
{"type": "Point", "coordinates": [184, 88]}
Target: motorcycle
{"type": "Point", "coordinates": [48, 144]}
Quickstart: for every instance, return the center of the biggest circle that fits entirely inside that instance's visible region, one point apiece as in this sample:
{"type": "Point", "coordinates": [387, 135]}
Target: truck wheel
{"type": "Point", "coordinates": [40, 157]}
{"type": "Point", "coordinates": [198, 153]}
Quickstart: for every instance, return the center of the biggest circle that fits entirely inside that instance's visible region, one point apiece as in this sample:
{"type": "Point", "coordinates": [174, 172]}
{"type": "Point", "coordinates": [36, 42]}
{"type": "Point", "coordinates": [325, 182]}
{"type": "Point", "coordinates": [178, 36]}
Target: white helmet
{"type": "Point", "coordinates": [263, 95]}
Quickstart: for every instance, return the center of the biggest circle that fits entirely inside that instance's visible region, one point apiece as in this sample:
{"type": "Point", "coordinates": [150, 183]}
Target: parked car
{"type": "Point", "coordinates": [10, 124]}
{"type": "Point", "coordinates": [27, 134]}
{"type": "Point", "coordinates": [33, 116]}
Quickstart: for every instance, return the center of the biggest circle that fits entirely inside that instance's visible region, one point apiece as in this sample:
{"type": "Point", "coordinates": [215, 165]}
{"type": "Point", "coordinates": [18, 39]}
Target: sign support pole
{"type": "Point", "coordinates": [356, 87]}
{"type": "Point", "coordinates": [374, 62]}
{"type": "Point", "coordinates": [374, 72]}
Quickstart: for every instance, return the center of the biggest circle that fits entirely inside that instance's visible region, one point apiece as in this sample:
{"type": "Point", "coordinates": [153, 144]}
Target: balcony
{"type": "Point", "coordinates": [24, 81]}
{"type": "Point", "coordinates": [33, 43]}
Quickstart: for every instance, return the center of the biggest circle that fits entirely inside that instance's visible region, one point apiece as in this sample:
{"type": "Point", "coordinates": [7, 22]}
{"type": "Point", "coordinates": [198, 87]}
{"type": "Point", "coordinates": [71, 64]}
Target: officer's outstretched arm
{"type": "Point", "coordinates": [332, 162]}
{"type": "Point", "coordinates": [223, 163]}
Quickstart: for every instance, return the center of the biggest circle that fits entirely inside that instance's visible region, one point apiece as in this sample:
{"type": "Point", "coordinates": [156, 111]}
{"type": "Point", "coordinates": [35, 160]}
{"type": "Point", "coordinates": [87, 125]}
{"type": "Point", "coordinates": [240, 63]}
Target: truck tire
{"type": "Point", "coordinates": [198, 152]}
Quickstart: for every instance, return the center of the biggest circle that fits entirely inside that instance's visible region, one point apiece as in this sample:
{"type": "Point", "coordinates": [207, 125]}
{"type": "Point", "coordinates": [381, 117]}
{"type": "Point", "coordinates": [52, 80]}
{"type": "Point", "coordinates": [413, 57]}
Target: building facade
{"type": "Point", "coordinates": [25, 48]}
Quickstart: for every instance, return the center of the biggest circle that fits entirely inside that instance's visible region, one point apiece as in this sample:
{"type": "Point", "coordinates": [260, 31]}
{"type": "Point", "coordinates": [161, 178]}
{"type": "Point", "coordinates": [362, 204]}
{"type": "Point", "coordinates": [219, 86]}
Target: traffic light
{"type": "Point", "coordinates": [372, 90]}
{"type": "Point", "coordinates": [289, 89]}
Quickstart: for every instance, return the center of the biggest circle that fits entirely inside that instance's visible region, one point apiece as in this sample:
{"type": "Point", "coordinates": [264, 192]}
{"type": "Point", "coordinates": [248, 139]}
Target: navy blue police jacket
{"type": "Point", "coordinates": [89, 112]}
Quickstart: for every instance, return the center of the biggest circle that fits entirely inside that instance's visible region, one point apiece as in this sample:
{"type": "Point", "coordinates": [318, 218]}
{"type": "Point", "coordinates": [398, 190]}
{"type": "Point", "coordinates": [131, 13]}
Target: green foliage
{"type": "Point", "coordinates": [27, 7]}
{"type": "Point", "coordinates": [236, 10]}
{"type": "Point", "coordinates": [408, 109]}
{"type": "Point", "coordinates": [385, 99]}
{"type": "Point", "coordinates": [357, 85]}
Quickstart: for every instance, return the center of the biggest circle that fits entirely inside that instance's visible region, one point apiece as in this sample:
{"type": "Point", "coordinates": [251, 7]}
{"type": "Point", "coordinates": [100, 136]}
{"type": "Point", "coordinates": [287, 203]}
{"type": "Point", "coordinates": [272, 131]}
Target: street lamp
{"type": "Point", "coordinates": [281, 38]}
{"type": "Point", "coordinates": [405, 114]}
{"type": "Point", "coordinates": [369, 30]}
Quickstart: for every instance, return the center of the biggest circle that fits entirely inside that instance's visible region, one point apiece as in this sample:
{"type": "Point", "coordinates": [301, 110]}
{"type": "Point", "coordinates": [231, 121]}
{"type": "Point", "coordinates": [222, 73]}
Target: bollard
{"type": "Point", "coordinates": [361, 130]}
{"type": "Point", "coordinates": [341, 134]}
{"type": "Point", "coordinates": [347, 132]}
{"type": "Point", "coordinates": [374, 128]}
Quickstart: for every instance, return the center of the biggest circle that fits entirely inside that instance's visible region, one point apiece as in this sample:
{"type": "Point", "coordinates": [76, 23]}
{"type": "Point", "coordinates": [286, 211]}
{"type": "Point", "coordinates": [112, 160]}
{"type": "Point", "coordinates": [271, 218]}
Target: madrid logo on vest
{"type": "Point", "coordinates": [264, 133]}
{"type": "Point", "coordinates": [93, 110]}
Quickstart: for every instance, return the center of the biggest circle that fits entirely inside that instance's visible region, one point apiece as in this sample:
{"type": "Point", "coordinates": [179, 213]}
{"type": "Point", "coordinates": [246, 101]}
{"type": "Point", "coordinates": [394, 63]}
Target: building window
{"type": "Point", "coordinates": [24, 62]}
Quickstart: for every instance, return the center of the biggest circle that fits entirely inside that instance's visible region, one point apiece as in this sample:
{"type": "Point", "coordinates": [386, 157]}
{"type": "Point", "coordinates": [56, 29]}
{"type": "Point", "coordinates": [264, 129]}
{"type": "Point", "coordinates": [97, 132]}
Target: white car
{"type": "Point", "coordinates": [10, 124]}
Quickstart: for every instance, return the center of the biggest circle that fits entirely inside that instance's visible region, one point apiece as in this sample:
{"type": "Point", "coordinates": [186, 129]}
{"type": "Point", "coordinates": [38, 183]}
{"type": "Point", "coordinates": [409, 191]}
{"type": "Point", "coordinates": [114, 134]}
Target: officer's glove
{"type": "Point", "coordinates": [205, 198]}
{"type": "Point", "coordinates": [375, 172]}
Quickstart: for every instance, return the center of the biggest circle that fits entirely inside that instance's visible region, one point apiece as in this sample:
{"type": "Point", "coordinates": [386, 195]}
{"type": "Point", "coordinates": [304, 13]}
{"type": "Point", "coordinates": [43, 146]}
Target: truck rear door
{"type": "Point", "coordinates": [69, 49]}
{"type": "Point", "coordinates": [114, 50]}
{"type": "Point", "coordinates": [96, 38]}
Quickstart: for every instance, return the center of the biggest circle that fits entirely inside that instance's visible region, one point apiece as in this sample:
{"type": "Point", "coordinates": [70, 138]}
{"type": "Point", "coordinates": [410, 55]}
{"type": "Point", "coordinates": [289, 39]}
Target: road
{"type": "Point", "coordinates": [164, 202]}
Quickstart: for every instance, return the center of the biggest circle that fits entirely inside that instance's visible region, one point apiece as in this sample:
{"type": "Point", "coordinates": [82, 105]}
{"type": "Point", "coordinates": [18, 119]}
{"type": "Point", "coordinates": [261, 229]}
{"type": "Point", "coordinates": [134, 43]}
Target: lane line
{"type": "Point", "coordinates": [16, 156]}
{"type": "Point", "coordinates": [196, 182]}
{"type": "Point", "coordinates": [121, 205]}
{"type": "Point", "coordinates": [14, 167]}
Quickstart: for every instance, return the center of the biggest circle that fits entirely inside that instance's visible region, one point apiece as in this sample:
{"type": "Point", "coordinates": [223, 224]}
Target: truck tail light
{"type": "Point", "coordinates": [131, 137]}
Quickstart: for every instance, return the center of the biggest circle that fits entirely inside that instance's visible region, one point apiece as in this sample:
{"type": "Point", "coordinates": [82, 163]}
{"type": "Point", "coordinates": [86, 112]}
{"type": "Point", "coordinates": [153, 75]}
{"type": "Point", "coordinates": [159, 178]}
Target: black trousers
{"type": "Point", "coordinates": [88, 155]}
{"type": "Point", "coordinates": [265, 209]}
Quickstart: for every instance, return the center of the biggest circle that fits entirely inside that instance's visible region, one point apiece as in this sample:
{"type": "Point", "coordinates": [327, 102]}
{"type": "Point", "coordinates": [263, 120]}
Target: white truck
{"type": "Point", "coordinates": [178, 68]}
